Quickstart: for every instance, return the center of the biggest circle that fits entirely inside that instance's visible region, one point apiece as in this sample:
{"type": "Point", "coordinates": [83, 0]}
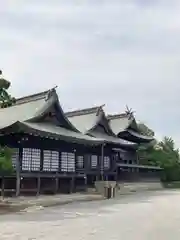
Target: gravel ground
{"type": "Point", "coordinates": [148, 216]}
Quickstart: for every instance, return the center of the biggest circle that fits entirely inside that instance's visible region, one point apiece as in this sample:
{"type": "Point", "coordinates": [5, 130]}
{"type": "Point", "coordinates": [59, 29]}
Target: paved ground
{"type": "Point", "coordinates": [13, 204]}
{"type": "Point", "coordinates": [148, 216]}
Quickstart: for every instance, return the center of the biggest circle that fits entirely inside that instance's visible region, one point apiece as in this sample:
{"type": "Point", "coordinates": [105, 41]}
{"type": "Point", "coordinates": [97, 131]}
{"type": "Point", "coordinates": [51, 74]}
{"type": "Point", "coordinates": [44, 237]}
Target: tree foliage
{"type": "Point", "coordinates": [6, 167]}
{"type": "Point", "coordinates": [165, 155]}
{"type": "Point", "coordinates": [5, 98]}
{"type": "Point", "coordinates": [5, 152]}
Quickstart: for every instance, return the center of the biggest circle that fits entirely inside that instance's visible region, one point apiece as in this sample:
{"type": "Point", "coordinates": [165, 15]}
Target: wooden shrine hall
{"type": "Point", "coordinates": [55, 151]}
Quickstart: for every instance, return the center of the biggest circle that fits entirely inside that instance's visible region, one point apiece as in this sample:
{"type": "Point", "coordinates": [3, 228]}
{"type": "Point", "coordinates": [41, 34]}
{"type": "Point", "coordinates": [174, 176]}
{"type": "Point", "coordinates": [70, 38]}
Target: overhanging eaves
{"type": "Point", "coordinates": [50, 131]}
{"type": "Point", "coordinates": [51, 101]}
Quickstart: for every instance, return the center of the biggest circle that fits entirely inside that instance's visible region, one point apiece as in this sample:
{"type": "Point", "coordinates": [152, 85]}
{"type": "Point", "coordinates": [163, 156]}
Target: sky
{"type": "Point", "coordinates": [112, 52]}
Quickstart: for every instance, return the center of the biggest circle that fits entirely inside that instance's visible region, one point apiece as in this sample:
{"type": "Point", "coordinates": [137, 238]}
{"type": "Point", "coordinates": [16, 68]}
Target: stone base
{"type": "Point", "coordinates": [125, 188]}
{"type": "Point", "coordinates": [102, 188]}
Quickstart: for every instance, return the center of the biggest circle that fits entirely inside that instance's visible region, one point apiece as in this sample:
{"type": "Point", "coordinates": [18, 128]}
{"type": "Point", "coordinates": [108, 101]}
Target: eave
{"type": "Point", "coordinates": [53, 100]}
{"type": "Point", "coordinates": [49, 131]}
{"type": "Point", "coordinates": [92, 121]}
{"type": "Point", "coordinates": [114, 140]}
{"type": "Point", "coordinates": [139, 166]}
{"type": "Point", "coordinates": [133, 136]}
{"type": "Point", "coordinates": [101, 120]}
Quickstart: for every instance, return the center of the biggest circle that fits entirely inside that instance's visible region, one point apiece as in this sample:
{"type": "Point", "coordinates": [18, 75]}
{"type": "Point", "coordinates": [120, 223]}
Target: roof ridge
{"type": "Point", "coordinates": [118, 115]}
{"type": "Point", "coordinates": [32, 97]}
{"type": "Point", "coordinates": [82, 111]}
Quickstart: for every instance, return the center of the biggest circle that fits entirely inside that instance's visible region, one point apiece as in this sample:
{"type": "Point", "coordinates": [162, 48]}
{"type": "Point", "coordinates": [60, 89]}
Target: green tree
{"type": "Point", "coordinates": [5, 99]}
{"type": "Point", "coordinates": [165, 155]}
{"type": "Point", "coordinates": [6, 168]}
{"type": "Point", "coordinates": [5, 153]}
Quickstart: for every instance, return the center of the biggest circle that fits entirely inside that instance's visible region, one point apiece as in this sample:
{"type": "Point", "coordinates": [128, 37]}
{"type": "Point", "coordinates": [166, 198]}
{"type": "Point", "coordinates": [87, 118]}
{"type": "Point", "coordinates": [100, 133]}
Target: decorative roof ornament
{"type": "Point", "coordinates": [129, 113]}
{"type": "Point", "coordinates": [99, 109]}
{"type": "Point", "coordinates": [51, 93]}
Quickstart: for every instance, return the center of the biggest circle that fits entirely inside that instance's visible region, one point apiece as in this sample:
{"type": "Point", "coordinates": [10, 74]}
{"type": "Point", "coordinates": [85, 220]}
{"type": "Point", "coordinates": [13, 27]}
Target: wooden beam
{"type": "Point", "coordinates": [72, 185]}
{"type": "Point", "coordinates": [2, 187]}
{"type": "Point", "coordinates": [18, 165]}
{"type": "Point", "coordinates": [38, 185]}
{"type": "Point", "coordinates": [41, 160]}
{"type": "Point", "coordinates": [102, 162]}
{"type": "Point", "coordinates": [18, 182]}
{"type": "Point", "coordinates": [56, 185]}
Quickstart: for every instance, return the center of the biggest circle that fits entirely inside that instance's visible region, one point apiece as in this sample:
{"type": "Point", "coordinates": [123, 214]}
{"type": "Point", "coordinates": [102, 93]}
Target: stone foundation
{"type": "Point", "coordinates": [125, 188]}
{"type": "Point", "coordinates": [103, 186]}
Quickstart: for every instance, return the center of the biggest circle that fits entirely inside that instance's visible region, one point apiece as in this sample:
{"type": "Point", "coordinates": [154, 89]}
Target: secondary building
{"type": "Point", "coordinates": [94, 122]}
{"type": "Point", "coordinates": [128, 166]}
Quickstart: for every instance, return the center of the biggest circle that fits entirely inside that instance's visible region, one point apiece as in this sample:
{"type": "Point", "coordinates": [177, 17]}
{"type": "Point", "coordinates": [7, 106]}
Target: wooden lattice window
{"type": "Point", "coordinates": [31, 159]}
{"type": "Point", "coordinates": [94, 161]}
{"type": "Point", "coordinates": [26, 159]}
{"type": "Point", "coordinates": [15, 157]}
{"type": "Point", "coordinates": [35, 161]}
{"type": "Point", "coordinates": [64, 162]}
{"type": "Point", "coordinates": [54, 161]}
{"type": "Point", "coordinates": [67, 162]}
{"type": "Point", "coordinates": [71, 162]}
{"type": "Point", "coordinates": [46, 160]}
{"type": "Point", "coordinates": [80, 162]}
{"type": "Point", "coordinates": [106, 162]}
{"type": "Point", "coordinates": [50, 161]}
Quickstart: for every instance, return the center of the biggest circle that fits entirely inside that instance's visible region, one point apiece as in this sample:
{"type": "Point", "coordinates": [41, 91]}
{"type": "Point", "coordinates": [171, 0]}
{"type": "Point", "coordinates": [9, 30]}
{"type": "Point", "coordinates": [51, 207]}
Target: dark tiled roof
{"type": "Point", "coordinates": [28, 113]}
{"type": "Point", "coordinates": [32, 97]}
{"type": "Point", "coordinates": [82, 111]}
{"type": "Point", "coordinates": [119, 115]}
{"type": "Point", "coordinates": [33, 108]}
{"type": "Point", "coordinates": [24, 109]}
{"type": "Point", "coordinates": [85, 119]}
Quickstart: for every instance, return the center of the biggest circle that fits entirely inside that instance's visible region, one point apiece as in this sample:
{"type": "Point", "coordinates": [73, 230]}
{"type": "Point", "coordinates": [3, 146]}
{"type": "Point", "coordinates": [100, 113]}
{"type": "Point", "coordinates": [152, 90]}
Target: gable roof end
{"type": "Point", "coordinates": [33, 108]}
{"type": "Point", "coordinates": [50, 100]}
{"type": "Point", "coordinates": [84, 119]}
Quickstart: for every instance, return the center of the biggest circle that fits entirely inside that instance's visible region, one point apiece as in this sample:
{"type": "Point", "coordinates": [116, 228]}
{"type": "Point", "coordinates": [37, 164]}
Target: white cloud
{"type": "Point", "coordinates": [113, 52]}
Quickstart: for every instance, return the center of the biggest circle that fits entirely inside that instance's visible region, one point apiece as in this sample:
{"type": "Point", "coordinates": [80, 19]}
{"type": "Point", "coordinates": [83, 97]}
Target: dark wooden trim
{"type": "Point", "coordinates": [20, 157]}
{"type": "Point", "coordinates": [50, 174]}
{"type": "Point", "coordinates": [41, 160]}
{"type": "Point", "coordinates": [59, 161]}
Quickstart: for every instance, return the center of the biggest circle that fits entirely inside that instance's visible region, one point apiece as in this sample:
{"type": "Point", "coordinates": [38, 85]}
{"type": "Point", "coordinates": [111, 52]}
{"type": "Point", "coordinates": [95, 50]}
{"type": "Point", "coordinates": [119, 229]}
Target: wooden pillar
{"type": "Point", "coordinates": [85, 182]}
{"type": "Point", "coordinates": [97, 177]}
{"type": "Point", "coordinates": [102, 162]}
{"type": "Point", "coordinates": [116, 176]}
{"type": "Point", "coordinates": [2, 187]}
{"type": "Point", "coordinates": [75, 153]}
{"type": "Point", "coordinates": [59, 170]}
{"type": "Point", "coordinates": [18, 170]}
{"type": "Point", "coordinates": [41, 160]}
{"type": "Point", "coordinates": [38, 185]}
{"type": "Point", "coordinates": [106, 178]}
{"type": "Point", "coordinates": [72, 185]}
{"type": "Point", "coordinates": [56, 185]}
{"type": "Point", "coordinates": [18, 183]}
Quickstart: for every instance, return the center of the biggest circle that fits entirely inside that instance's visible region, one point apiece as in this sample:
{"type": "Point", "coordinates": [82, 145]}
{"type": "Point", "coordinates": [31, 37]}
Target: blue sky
{"type": "Point", "coordinates": [115, 52]}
